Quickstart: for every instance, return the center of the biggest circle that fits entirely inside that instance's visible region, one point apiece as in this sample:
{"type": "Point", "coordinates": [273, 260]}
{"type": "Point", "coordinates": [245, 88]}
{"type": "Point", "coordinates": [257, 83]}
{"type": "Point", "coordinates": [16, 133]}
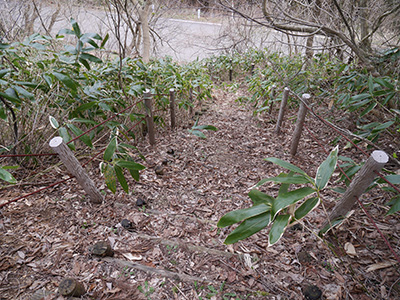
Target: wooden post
{"type": "Point", "coordinates": [74, 167]}
{"type": "Point", "coordinates": [230, 71]}
{"type": "Point", "coordinates": [148, 102]}
{"type": "Point", "coordinates": [299, 125]}
{"type": "Point", "coordinates": [282, 110]}
{"type": "Point", "coordinates": [360, 183]}
{"type": "Point", "coordinates": [272, 98]}
{"type": "Point", "coordinates": [191, 102]}
{"type": "Point", "coordinates": [172, 107]}
{"type": "Point", "coordinates": [252, 69]}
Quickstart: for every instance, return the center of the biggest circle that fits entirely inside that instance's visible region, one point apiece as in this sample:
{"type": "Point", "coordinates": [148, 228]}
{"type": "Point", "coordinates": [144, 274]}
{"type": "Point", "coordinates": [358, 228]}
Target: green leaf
{"type": "Point", "coordinates": [248, 228]}
{"type": "Point", "coordinates": [286, 199]}
{"type": "Point", "coordinates": [110, 178]}
{"type": "Point", "coordinates": [23, 92]}
{"type": "Point", "coordinates": [278, 228]}
{"type": "Point", "coordinates": [12, 96]}
{"type": "Point", "coordinates": [259, 197]}
{"type": "Point", "coordinates": [393, 179]}
{"type": "Point", "coordinates": [121, 178]}
{"type": "Point", "coordinates": [53, 122]}
{"type": "Point", "coordinates": [90, 57]}
{"type": "Point", "coordinates": [130, 165]}
{"type": "Point", "coordinates": [295, 179]}
{"type": "Point", "coordinates": [205, 127]}
{"type": "Point", "coordinates": [382, 126]}
{"type": "Point", "coordinates": [84, 138]}
{"type": "Point", "coordinates": [306, 207]}
{"type": "Point", "coordinates": [285, 165]}
{"type": "Point", "coordinates": [197, 133]}
{"type": "Point", "coordinates": [110, 150]}
{"type": "Point", "coordinates": [75, 27]}
{"type": "Point", "coordinates": [71, 84]}
{"type": "Point", "coordinates": [395, 205]}
{"type": "Point", "coordinates": [135, 174]}
{"type": "Point", "coordinates": [104, 40]}
{"type": "Point", "coordinates": [326, 169]}
{"type": "Point", "coordinates": [6, 176]}
{"type": "Point", "coordinates": [85, 63]}
{"type": "Point", "coordinates": [241, 214]}
{"type": "Point", "coordinates": [371, 84]}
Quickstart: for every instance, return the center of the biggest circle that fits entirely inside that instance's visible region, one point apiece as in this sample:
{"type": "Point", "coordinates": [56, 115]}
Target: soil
{"type": "Point", "coordinates": [169, 247]}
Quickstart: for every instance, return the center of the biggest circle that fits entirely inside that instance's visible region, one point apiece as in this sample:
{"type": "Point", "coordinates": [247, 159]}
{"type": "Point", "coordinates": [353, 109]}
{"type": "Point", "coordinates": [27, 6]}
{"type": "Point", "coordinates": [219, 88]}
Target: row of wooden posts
{"type": "Point", "coordinates": [363, 178]}
{"type": "Point", "coordinates": [360, 183]}
{"type": "Point", "coordinates": [74, 167]}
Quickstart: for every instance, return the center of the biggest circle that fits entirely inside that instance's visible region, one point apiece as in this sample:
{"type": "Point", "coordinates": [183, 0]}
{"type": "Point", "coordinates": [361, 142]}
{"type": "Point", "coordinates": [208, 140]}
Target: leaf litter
{"type": "Point", "coordinates": [174, 249]}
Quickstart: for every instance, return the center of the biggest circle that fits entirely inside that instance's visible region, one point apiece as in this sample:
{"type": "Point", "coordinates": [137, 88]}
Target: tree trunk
{"type": "Point", "coordinates": [144, 20]}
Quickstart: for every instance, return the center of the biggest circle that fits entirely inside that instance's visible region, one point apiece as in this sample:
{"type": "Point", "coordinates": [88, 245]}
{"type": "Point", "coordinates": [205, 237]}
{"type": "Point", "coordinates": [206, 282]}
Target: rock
{"type": "Point", "coordinates": [71, 287]}
{"type": "Point", "coordinates": [102, 249]}
{"type": "Point", "coordinates": [312, 292]}
{"type": "Point", "coordinates": [140, 202]}
{"type": "Point", "coordinates": [159, 170]}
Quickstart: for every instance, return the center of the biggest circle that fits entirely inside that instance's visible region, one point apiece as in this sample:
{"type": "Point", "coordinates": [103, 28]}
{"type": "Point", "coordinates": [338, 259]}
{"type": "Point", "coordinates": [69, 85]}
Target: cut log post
{"type": "Point", "coordinates": [282, 110]}
{"type": "Point", "coordinates": [299, 124]}
{"type": "Point", "coordinates": [148, 102]}
{"type": "Point", "coordinates": [360, 183]}
{"type": "Point", "coordinates": [252, 69]}
{"type": "Point", "coordinates": [191, 102]}
{"type": "Point", "coordinates": [172, 107]}
{"type": "Point", "coordinates": [231, 71]}
{"type": "Point", "coordinates": [74, 167]}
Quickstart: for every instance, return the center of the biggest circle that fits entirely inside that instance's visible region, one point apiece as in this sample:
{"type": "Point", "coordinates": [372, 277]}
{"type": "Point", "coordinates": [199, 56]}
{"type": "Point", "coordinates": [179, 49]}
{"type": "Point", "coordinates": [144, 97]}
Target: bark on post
{"type": "Point", "coordinates": [230, 71]}
{"type": "Point", "coordinates": [172, 107]}
{"type": "Point", "coordinates": [272, 98]}
{"type": "Point", "coordinates": [282, 110]}
{"type": "Point", "coordinates": [299, 125]}
{"type": "Point", "coordinates": [148, 102]}
{"type": "Point", "coordinates": [75, 168]}
{"type": "Point", "coordinates": [360, 183]}
{"type": "Point", "coordinates": [191, 102]}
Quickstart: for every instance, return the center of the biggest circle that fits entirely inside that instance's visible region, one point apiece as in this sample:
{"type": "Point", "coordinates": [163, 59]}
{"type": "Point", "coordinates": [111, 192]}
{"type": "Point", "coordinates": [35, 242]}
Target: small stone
{"type": "Point", "coordinates": [312, 292]}
{"type": "Point", "coordinates": [140, 202]}
{"type": "Point", "coordinates": [126, 224]}
{"type": "Point", "coordinates": [304, 257]}
{"type": "Point", "coordinates": [159, 170]}
{"type": "Point", "coordinates": [102, 249]}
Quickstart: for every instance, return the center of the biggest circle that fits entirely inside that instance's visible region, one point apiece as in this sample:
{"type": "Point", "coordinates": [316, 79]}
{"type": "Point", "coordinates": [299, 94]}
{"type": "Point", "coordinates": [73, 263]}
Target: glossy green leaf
{"type": "Point", "coordinates": [286, 199]}
{"type": "Point", "coordinates": [205, 127]}
{"type": "Point", "coordinates": [11, 95]}
{"type": "Point", "coordinates": [85, 63]}
{"type": "Point", "coordinates": [53, 122]}
{"type": "Point", "coordinates": [197, 133]}
{"type": "Point", "coordinates": [394, 179]}
{"type": "Point", "coordinates": [104, 41]}
{"type": "Point", "coordinates": [76, 28]}
{"type": "Point", "coordinates": [84, 138]}
{"type": "Point", "coordinates": [242, 214]}
{"type": "Point", "coordinates": [121, 179]}
{"type": "Point", "coordinates": [6, 176]}
{"type": "Point", "coordinates": [110, 150]}
{"type": "Point", "coordinates": [130, 165]}
{"type": "Point", "coordinates": [277, 229]}
{"type": "Point", "coordinates": [135, 174]}
{"type": "Point", "coordinates": [326, 169]}
{"type": "Point", "coordinates": [285, 165]}
{"type": "Point", "coordinates": [259, 197]}
{"type": "Point", "coordinates": [395, 205]}
{"type": "Point", "coordinates": [295, 179]}
{"type": "Point", "coordinates": [71, 84]}
{"type": "Point", "coordinates": [90, 57]}
{"type": "Point", "coordinates": [23, 92]}
{"type": "Point", "coordinates": [248, 228]}
{"type": "Point", "coordinates": [110, 178]}
{"type": "Point", "coordinates": [306, 207]}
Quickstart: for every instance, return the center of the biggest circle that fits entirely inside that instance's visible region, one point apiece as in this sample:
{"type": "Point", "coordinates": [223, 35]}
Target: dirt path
{"type": "Point", "coordinates": [174, 250]}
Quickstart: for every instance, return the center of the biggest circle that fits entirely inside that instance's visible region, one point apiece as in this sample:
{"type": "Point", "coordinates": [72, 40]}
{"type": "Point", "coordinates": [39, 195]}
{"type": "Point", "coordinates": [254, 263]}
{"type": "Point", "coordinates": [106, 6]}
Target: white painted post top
{"type": "Point", "coordinates": [380, 156]}
{"type": "Point", "coordinates": [56, 141]}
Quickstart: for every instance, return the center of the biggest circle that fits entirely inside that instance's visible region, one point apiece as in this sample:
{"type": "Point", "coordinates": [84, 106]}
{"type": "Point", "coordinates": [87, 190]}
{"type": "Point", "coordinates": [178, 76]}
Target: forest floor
{"type": "Point", "coordinates": [174, 249]}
